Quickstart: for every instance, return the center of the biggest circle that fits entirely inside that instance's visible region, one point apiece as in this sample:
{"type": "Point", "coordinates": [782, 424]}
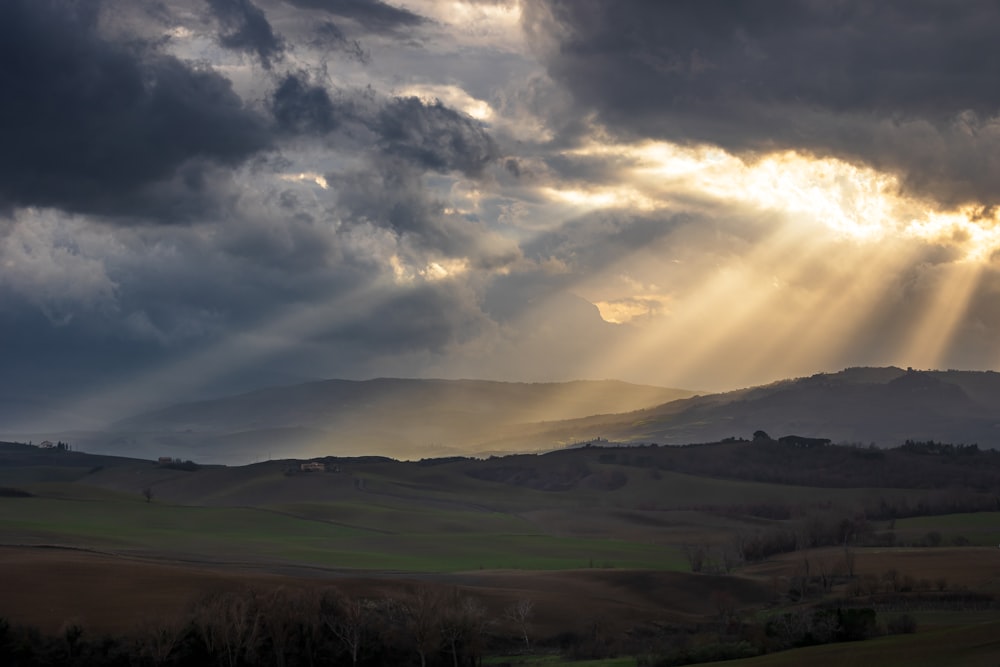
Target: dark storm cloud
{"type": "Point", "coordinates": [391, 191]}
{"type": "Point", "coordinates": [303, 108]}
{"type": "Point", "coordinates": [328, 36]}
{"type": "Point", "coordinates": [908, 86]}
{"type": "Point", "coordinates": [374, 15]}
{"type": "Point", "coordinates": [410, 139]}
{"type": "Point", "coordinates": [392, 194]}
{"type": "Point", "coordinates": [92, 126]}
{"type": "Point", "coordinates": [429, 137]}
{"type": "Point", "coordinates": [246, 28]}
{"type": "Point", "coordinates": [434, 137]}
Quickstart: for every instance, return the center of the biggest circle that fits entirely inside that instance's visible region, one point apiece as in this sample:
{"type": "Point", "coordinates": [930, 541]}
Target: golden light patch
{"type": "Point", "coordinates": [451, 96]}
{"type": "Point", "coordinates": [848, 200]}
{"type": "Point", "coordinates": [623, 196]}
{"type": "Point", "coordinates": [307, 177]}
{"type": "Point", "coordinates": [400, 274]}
{"type": "Point", "coordinates": [494, 24]}
{"type": "Point", "coordinates": [441, 269]}
{"type": "Point", "coordinates": [444, 269]}
{"type": "Point", "coordinates": [632, 309]}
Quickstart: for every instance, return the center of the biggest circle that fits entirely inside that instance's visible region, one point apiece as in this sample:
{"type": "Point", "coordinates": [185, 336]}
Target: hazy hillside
{"type": "Point", "coordinates": [429, 418]}
{"type": "Point", "coordinates": [859, 405]}
{"type": "Point", "coordinates": [397, 417]}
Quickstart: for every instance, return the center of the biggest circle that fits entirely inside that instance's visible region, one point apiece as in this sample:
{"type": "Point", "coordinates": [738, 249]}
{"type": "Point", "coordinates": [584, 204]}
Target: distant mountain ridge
{"type": "Point", "coordinates": [317, 403]}
{"type": "Point", "coordinates": [885, 406]}
{"type": "Point", "coordinates": [420, 418]}
{"type": "Point", "coordinates": [409, 418]}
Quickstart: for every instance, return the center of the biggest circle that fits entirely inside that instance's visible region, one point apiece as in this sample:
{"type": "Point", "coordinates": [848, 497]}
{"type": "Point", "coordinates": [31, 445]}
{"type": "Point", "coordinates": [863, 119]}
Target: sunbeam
{"type": "Point", "coordinates": [841, 238]}
{"type": "Point", "coordinates": [941, 312]}
{"type": "Point", "coordinates": [821, 329]}
{"type": "Point", "coordinates": [185, 377]}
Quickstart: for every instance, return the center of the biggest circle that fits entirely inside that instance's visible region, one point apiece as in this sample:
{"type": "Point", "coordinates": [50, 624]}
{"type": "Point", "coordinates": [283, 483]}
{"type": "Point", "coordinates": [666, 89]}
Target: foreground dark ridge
{"type": "Point", "coordinates": [787, 460]}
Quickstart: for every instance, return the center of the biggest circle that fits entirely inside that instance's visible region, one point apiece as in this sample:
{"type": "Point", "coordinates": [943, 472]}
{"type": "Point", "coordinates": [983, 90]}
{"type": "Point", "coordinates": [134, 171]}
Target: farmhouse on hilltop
{"type": "Point", "coordinates": [799, 441]}
{"type": "Point", "coordinates": [312, 466]}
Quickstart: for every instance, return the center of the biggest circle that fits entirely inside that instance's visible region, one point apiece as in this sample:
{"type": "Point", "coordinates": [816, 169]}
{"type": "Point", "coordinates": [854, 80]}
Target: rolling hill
{"type": "Point", "coordinates": [413, 419]}
{"type": "Point", "coordinates": [884, 406]}
{"type": "Point", "coordinates": [404, 418]}
{"type": "Point", "coordinates": [658, 548]}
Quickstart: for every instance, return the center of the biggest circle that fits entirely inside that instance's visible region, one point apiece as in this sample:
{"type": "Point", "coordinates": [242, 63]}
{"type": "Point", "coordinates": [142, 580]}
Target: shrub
{"type": "Point", "coordinates": [903, 624]}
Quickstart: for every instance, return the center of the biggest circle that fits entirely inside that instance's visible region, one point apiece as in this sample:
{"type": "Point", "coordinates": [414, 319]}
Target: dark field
{"type": "Point", "coordinates": [618, 555]}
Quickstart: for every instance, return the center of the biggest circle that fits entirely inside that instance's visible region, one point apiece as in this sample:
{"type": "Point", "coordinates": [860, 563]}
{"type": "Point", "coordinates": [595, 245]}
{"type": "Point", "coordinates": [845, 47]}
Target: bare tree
{"type": "Point", "coordinates": [290, 615]}
{"type": "Point", "coordinates": [825, 574]}
{"type": "Point", "coordinates": [156, 638]}
{"type": "Point", "coordinates": [850, 560]}
{"type": "Point", "coordinates": [462, 627]}
{"type": "Point", "coordinates": [422, 610]}
{"type": "Point", "coordinates": [147, 493]}
{"type": "Point", "coordinates": [725, 608]}
{"type": "Point", "coordinates": [230, 624]}
{"type": "Point", "coordinates": [520, 613]}
{"type": "Point", "coordinates": [696, 556]}
{"type": "Point", "coordinates": [729, 557]}
{"type": "Point", "coordinates": [477, 620]}
{"type": "Point", "coordinates": [348, 619]}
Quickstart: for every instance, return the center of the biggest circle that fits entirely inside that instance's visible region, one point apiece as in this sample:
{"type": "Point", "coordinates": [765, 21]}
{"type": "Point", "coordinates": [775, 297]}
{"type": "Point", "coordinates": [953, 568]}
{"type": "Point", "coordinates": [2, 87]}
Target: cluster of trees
{"type": "Point", "coordinates": [816, 529]}
{"type": "Point", "coordinates": [430, 627]}
{"type": "Point", "coordinates": [178, 464]}
{"type": "Point", "coordinates": [778, 632]}
{"type": "Point", "coordinates": [285, 626]}
{"type": "Point", "coordinates": [822, 626]}
{"type": "Point", "coordinates": [944, 501]}
{"type": "Point", "coordinates": [930, 447]}
{"type": "Point", "coordinates": [803, 462]}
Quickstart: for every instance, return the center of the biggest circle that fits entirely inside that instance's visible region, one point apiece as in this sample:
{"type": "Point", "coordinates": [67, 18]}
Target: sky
{"type": "Point", "coordinates": [200, 197]}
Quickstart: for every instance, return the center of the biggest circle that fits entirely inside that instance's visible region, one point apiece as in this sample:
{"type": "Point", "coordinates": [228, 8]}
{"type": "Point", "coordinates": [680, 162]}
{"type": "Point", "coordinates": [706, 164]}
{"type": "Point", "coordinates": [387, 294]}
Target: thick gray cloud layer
{"type": "Point", "coordinates": [373, 15]}
{"type": "Point", "coordinates": [372, 188]}
{"type": "Point", "coordinates": [303, 108]}
{"type": "Point", "coordinates": [103, 125]}
{"type": "Point", "coordinates": [93, 126]}
{"type": "Point", "coordinates": [246, 28]}
{"type": "Point", "coordinates": [434, 137]}
{"type": "Point", "coordinates": [904, 85]}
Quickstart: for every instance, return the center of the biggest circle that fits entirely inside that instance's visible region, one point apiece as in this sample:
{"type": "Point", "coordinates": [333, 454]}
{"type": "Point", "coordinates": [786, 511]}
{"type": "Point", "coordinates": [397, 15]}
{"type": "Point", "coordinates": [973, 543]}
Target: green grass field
{"type": "Point", "coordinates": [643, 487]}
{"type": "Point", "coordinates": [979, 528]}
{"type": "Point", "coordinates": [352, 536]}
{"type": "Point", "coordinates": [555, 661]}
{"type": "Point", "coordinates": [379, 520]}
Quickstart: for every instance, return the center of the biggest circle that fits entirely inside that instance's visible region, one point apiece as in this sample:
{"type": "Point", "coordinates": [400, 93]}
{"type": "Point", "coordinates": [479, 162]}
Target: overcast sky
{"type": "Point", "coordinates": [202, 196]}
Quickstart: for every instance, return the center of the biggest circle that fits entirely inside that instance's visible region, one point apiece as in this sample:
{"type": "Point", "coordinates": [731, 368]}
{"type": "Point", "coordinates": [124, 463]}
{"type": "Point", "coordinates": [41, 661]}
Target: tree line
{"type": "Point", "coordinates": [428, 627]}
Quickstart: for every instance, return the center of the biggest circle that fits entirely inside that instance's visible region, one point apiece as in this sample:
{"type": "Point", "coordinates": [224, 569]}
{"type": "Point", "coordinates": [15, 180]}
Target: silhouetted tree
{"type": "Point", "coordinates": [520, 614]}
{"type": "Point", "coordinates": [422, 612]}
{"type": "Point", "coordinates": [230, 625]}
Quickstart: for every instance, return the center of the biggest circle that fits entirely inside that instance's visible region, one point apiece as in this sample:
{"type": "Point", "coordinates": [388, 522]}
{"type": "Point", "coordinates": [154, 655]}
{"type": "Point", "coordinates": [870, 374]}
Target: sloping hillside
{"type": "Point", "coordinates": [397, 417]}
{"type": "Point", "coordinates": [415, 419]}
{"type": "Point", "coordinates": [885, 406]}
